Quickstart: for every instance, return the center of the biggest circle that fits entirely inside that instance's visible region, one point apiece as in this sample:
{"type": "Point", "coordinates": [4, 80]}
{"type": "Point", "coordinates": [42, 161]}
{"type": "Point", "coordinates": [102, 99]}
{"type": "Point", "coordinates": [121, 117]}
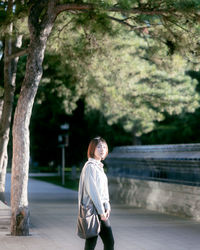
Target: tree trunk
{"type": "Point", "coordinates": [2, 179]}
{"type": "Point", "coordinates": [135, 139]}
{"type": "Point", "coordinates": [1, 107]}
{"type": "Point", "coordinates": [39, 32]}
{"type": "Point", "coordinates": [10, 68]}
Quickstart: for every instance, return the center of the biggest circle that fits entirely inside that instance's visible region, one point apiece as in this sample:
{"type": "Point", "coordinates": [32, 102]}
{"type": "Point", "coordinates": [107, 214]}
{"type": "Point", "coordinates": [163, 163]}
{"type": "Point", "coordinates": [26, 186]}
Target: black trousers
{"type": "Point", "coordinates": [106, 236]}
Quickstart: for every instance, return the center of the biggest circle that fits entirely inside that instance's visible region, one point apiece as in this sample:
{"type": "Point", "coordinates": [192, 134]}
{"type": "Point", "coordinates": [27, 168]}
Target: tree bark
{"type": "Point", "coordinates": [40, 28]}
{"type": "Point", "coordinates": [1, 107]}
{"type": "Point", "coordinates": [10, 68]}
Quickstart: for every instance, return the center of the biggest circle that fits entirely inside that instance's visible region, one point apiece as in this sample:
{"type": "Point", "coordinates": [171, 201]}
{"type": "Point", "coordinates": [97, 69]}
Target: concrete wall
{"type": "Point", "coordinates": [163, 197]}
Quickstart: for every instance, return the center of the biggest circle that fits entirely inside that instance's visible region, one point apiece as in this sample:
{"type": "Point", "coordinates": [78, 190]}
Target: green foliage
{"type": "Point", "coordinates": [1, 92]}
{"type": "Point", "coordinates": [131, 90]}
{"type": "Point", "coordinates": [132, 80]}
{"type": "Point", "coordinates": [182, 128]}
{"type": "Point", "coordinates": [19, 12]}
{"type": "Point", "coordinates": [58, 85]}
{"type": "Point", "coordinates": [186, 5]}
{"type": "Point", "coordinates": [127, 4]}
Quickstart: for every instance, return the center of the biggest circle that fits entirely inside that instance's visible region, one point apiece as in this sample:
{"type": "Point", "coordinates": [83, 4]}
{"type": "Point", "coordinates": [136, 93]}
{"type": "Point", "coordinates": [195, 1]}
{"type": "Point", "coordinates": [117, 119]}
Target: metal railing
{"type": "Point", "coordinates": [166, 163]}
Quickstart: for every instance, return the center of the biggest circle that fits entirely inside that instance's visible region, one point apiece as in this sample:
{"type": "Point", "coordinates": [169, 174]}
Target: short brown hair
{"type": "Point", "coordinates": [92, 145]}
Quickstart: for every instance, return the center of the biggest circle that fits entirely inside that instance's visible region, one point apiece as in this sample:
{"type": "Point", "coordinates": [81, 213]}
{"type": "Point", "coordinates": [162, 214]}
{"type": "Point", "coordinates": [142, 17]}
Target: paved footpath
{"type": "Point", "coordinates": [53, 225]}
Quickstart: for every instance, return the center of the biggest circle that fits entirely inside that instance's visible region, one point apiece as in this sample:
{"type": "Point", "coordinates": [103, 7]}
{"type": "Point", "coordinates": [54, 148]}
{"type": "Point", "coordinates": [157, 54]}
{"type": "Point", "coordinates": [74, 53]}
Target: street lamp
{"type": "Point", "coordinates": [63, 140]}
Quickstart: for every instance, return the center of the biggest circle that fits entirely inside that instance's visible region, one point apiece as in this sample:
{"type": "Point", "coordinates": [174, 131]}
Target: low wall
{"type": "Point", "coordinates": [155, 177]}
{"type": "Point", "coordinates": [163, 197]}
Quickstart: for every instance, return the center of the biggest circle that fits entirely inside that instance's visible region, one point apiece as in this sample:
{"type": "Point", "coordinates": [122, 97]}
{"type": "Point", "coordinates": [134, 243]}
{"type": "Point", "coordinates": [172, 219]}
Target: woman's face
{"type": "Point", "coordinates": [100, 151]}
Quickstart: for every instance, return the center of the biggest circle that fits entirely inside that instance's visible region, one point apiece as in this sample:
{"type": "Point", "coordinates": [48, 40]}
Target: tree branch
{"type": "Point", "coordinates": [122, 21]}
{"type": "Point", "coordinates": [60, 30]}
{"type": "Point", "coordinates": [143, 11]}
{"type": "Point", "coordinates": [86, 7]}
{"type": "Point", "coordinates": [17, 54]}
{"type": "Point", "coordinates": [133, 27]}
{"type": "Point", "coordinates": [73, 6]}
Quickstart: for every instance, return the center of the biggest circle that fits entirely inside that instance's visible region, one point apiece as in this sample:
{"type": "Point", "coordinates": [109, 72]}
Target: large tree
{"type": "Point", "coordinates": [41, 19]}
{"type": "Point", "coordinates": [167, 21]}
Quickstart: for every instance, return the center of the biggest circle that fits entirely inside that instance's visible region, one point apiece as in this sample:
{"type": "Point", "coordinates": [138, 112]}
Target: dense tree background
{"type": "Point", "coordinates": [81, 86]}
{"type": "Point", "coordinates": [119, 83]}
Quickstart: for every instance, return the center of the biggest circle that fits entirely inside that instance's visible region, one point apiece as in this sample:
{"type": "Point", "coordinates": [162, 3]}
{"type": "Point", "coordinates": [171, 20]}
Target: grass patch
{"type": "Point", "coordinates": [57, 180]}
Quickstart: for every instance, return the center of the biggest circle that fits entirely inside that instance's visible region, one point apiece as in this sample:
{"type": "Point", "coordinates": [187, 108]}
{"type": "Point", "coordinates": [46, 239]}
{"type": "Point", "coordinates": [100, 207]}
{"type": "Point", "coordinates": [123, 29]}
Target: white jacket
{"type": "Point", "coordinates": [94, 183]}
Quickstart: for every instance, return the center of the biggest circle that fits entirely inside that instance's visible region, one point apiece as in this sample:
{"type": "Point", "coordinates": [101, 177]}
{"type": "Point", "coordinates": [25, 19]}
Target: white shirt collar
{"type": "Point", "coordinates": [99, 163]}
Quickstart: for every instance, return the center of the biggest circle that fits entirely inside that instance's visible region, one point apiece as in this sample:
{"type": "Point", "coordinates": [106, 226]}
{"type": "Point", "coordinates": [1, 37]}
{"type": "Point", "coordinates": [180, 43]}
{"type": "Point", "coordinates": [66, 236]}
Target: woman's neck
{"type": "Point", "coordinates": [98, 159]}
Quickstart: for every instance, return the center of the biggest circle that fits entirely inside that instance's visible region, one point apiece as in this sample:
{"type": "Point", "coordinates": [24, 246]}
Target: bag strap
{"type": "Point", "coordinates": [81, 185]}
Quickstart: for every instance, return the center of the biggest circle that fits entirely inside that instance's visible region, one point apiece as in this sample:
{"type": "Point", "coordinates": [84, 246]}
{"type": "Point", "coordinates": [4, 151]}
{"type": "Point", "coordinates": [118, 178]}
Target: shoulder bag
{"type": "Point", "coordinates": [88, 224]}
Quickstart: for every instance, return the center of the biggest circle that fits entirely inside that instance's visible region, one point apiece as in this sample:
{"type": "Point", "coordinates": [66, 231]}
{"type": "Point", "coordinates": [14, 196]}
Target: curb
{"type": "Point", "coordinates": [5, 217]}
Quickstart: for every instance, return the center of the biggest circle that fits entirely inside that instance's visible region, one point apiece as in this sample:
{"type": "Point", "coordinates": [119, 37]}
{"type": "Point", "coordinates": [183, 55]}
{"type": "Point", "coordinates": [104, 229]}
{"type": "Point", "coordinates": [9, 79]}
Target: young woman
{"type": "Point", "coordinates": [95, 189]}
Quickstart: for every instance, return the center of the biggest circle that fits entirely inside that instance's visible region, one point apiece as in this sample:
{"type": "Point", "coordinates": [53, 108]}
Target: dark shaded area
{"type": "Point", "coordinates": [175, 129]}
{"type": "Point", "coordinates": [57, 180]}
{"type": "Point", "coordinates": [45, 129]}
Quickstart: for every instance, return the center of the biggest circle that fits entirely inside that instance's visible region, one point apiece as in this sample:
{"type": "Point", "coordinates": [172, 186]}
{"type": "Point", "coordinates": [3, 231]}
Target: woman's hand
{"type": "Point", "coordinates": [105, 216]}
